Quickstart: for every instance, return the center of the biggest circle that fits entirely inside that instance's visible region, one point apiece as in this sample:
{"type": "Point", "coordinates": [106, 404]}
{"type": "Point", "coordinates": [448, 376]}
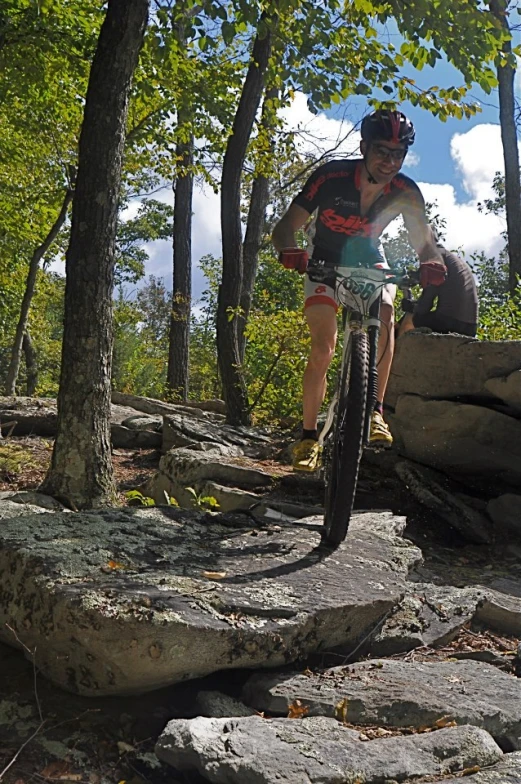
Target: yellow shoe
{"type": "Point", "coordinates": [379, 435]}
{"type": "Point", "coordinates": [306, 455]}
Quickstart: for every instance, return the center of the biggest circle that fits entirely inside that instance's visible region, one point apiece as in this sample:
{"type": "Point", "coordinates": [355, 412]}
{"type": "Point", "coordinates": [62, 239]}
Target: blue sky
{"type": "Point", "coordinates": [453, 163]}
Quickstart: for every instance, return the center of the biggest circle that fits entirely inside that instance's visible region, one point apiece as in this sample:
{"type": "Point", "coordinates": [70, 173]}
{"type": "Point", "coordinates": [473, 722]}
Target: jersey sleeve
{"type": "Point", "coordinates": [309, 196]}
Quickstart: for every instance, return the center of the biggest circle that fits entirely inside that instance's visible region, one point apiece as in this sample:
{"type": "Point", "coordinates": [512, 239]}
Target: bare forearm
{"type": "Point", "coordinates": [283, 236]}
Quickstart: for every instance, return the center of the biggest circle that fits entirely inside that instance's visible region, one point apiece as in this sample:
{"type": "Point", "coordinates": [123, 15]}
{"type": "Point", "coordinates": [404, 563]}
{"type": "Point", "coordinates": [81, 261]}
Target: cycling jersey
{"type": "Point", "coordinates": [342, 234]}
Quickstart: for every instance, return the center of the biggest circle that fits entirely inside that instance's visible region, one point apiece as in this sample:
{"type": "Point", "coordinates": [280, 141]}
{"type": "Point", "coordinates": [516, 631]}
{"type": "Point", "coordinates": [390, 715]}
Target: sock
{"type": "Point", "coordinates": [378, 406]}
{"type": "Point", "coordinates": [312, 434]}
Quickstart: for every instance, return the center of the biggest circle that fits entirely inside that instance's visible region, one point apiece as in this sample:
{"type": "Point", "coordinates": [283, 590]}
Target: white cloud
{"type": "Point", "coordinates": [467, 228]}
{"type": "Point", "coordinates": [478, 155]}
{"type": "Point", "coordinates": [412, 160]}
{"type": "Point", "coordinates": [317, 133]}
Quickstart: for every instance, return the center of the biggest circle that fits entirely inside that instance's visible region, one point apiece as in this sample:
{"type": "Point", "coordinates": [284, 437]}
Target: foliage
{"type": "Point", "coordinates": [154, 221]}
{"type": "Point", "coordinates": [14, 458]}
{"type": "Point", "coordinates": [140, 340]}
{"type": "Point", "coordinates": [204, 502]}
{"type": "Point", "coordinates": [136, 498]}
{"type": "Point", "coordinates": [499, 311]}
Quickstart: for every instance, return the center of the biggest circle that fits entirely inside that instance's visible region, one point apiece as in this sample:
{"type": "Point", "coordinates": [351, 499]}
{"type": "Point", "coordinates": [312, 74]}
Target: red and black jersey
{"type": "Point", "coordinates": [333, 191]}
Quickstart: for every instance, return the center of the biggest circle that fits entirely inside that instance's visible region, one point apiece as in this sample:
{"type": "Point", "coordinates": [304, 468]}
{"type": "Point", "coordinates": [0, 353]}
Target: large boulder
{"type": "Point", "coordinates": [399, 694]}
{"type": "Point", "coordinates": [180, 430]}
{"type": "Point", "coordinates": [460, 439]}
{"type": "Point", "coordinates": [38, 416]}
{"type": "Point", "coordinates": [182, 468]}
{"type": "Point", "coordinates": [128, 600]}
{"type": "Point", "coordinates": [449, 366]}
{"type": "Point", "coordinates": [505, 511]}
{"type": "Point", "coordinates": [507, 388]}
{"type": "Point", "coordinates": [316, 750]}
{"type": "Point", "coordinates": [433, 490]}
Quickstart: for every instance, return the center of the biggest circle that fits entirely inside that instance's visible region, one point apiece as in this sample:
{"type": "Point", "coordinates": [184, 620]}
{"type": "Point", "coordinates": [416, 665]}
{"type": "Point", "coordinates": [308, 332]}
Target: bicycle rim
{"type": "Point", "coordinates": [347, 446]}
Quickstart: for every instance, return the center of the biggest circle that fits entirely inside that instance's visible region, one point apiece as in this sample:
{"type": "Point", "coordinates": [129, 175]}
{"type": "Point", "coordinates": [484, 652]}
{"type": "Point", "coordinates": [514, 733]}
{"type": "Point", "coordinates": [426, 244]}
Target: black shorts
{"type": "Point", "coordinates": [443, 324]}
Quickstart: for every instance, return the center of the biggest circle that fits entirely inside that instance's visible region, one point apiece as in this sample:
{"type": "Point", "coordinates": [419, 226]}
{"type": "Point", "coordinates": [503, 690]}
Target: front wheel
{"type": "Point", "coordinates": [347, 440]}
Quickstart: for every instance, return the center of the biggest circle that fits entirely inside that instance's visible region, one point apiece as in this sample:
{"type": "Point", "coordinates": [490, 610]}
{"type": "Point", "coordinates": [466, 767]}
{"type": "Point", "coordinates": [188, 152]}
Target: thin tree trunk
{"type": "Point", "coordinates": [39, 253]}
{"type": "Point", "coordinates": [260, 192]}
{"type": "Point", "coordinates": [255, 227]}
{"type": "Point", "coordinates": [81, 472]}
{"type": "Point", "coordinates": [179, 339]}
{"type": "Point", "coordinates": [506, 76]}
{"type": "Point", "coordinates": [31, 364]}
{"type": "Point", "coordinates": [234, 387]}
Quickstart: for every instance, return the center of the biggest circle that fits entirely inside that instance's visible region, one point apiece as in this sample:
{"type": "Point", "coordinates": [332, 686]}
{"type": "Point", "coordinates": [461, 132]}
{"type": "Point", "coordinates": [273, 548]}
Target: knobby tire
{"type": "Point", "coordinates": [348, 437]}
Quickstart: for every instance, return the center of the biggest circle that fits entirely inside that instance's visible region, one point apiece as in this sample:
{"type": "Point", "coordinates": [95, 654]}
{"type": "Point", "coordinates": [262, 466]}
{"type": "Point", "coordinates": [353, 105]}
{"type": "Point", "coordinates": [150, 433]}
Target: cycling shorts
{"type": "Point", "coordinates": [325, 292]}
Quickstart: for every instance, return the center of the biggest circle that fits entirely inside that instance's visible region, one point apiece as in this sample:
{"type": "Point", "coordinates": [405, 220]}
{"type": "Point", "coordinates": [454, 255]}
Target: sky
{"type": "Point", "coordinates": [454, 164]}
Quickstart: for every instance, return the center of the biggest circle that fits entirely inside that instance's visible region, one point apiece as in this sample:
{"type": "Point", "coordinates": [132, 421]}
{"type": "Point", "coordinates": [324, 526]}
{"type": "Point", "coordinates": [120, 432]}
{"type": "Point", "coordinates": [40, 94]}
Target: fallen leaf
{"type": "Point", "coordinates": [214, 575]}
{"type": "Point", "coordinates": [341, 710]}
{"type": "Point", "coordinates": [116, 565]}
{"type": "Point", "coordinates": [297, 710]}
{"type": "Point", "coordinates": [445, 721]}
{"type": "Point", "coordinates": [60, 770]}
{"type": "Point", "coordinates": [56, 769]}
{"type": "Point", "coordinates": [123, 747]}
{"type": "Point", "coordinates": [381, 732]}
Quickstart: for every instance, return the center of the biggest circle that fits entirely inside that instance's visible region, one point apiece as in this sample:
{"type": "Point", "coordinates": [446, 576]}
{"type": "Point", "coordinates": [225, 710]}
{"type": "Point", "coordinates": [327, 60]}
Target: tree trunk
{"type": "Point", "coordinates": [31, 364]}
{"type": "Point", "coordinates": [506, 76]}
{"type": "Point", "coordinates": [255, 227]}
{"type": "Point", "coordinates": [234, 387]}
{"type": "Point", "coordinates": [39, 253]}
{"type": "Point", "coordinates": [252, 241]}
{"type": "Point", "coordinates": [81, 471]}
{"type": "Point", "coordinates": [179, 345]}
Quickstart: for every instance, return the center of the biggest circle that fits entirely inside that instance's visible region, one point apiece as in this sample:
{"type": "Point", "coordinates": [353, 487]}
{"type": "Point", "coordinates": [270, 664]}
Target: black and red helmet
{"type": "Point", "coordinates": [387, 126]}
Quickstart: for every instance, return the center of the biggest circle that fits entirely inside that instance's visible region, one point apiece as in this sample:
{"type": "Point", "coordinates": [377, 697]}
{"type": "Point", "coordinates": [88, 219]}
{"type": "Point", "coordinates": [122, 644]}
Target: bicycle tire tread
{"type": "Point", "coordinates": [348, 442]}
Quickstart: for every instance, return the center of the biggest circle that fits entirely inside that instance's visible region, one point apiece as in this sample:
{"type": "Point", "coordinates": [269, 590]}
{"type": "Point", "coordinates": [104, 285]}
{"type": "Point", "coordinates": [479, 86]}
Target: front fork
{"type": "Point", "coordinates": [373, 331]}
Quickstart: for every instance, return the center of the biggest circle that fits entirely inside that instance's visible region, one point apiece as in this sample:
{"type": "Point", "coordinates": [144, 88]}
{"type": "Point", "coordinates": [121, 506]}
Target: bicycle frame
{"type": "Point", "coordinates": [359, 292]}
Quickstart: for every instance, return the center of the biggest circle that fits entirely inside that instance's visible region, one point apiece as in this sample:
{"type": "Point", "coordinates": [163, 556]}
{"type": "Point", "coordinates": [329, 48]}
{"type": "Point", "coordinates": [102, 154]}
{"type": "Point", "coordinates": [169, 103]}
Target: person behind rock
{"type": "Point", "coordinates": [354, 200]}
{"type": "Point", "coordinates": [456, 308]}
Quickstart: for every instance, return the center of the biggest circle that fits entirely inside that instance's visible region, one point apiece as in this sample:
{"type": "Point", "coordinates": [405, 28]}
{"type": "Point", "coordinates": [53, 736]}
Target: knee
{"type": "Point", "coordinates": [387, 314]}
{"type": "Point", "coordinates": [322, 352]}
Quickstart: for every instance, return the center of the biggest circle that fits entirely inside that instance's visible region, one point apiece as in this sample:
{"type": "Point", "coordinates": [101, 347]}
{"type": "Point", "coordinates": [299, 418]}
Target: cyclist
{"type": "Point", "coordinates": [354, 200]}
{"type": "Point", "coordinates": [457, 299]}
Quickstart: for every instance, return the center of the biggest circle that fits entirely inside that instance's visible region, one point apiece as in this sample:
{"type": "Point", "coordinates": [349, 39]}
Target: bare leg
{"type": "Point", "coordinates": [406, 325]}
{"type": "Point", "coordinates": [322, 326]}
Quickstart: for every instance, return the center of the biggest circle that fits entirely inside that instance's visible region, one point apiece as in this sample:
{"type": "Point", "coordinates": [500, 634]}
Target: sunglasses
{"type": "Point", "coordinates": [386, 154]}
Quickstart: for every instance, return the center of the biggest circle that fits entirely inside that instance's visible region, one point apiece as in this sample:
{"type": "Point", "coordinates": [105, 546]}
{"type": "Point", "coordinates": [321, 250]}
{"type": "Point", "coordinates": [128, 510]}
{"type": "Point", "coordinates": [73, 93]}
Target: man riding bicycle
{"type": "Point", "coordinates": [354, 200]}
{"type": "Point", "coordinates": [456, 300]}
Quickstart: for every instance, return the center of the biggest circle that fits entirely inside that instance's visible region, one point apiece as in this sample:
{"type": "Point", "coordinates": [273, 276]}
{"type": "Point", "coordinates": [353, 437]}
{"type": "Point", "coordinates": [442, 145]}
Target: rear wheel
{"type": "Point", "coordinates": [345, 450]}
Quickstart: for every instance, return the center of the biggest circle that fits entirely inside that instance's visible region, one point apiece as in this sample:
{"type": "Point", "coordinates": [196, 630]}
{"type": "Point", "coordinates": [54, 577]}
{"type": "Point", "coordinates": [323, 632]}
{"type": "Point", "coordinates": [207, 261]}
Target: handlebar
{"type": "Point", "coordinates": [404, 279]}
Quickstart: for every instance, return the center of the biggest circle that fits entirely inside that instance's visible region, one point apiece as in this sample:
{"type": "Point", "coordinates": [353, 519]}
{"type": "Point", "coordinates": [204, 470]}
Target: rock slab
{"type": "Point", "coordinates": [395, 693]}
{"type": "Point", "coordinates": [315, 750]}
{"type": "Point", "coordinates": [125, 601]}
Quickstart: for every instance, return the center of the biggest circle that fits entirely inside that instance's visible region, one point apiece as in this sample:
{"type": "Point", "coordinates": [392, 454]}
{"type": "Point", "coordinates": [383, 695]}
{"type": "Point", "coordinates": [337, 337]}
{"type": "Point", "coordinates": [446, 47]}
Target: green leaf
{"type": "Point", "coordinates": [228, 32]}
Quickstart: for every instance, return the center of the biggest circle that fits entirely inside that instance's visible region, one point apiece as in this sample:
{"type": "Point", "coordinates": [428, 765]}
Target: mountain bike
{"type": "Point", "coordinates": [348, 420]}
